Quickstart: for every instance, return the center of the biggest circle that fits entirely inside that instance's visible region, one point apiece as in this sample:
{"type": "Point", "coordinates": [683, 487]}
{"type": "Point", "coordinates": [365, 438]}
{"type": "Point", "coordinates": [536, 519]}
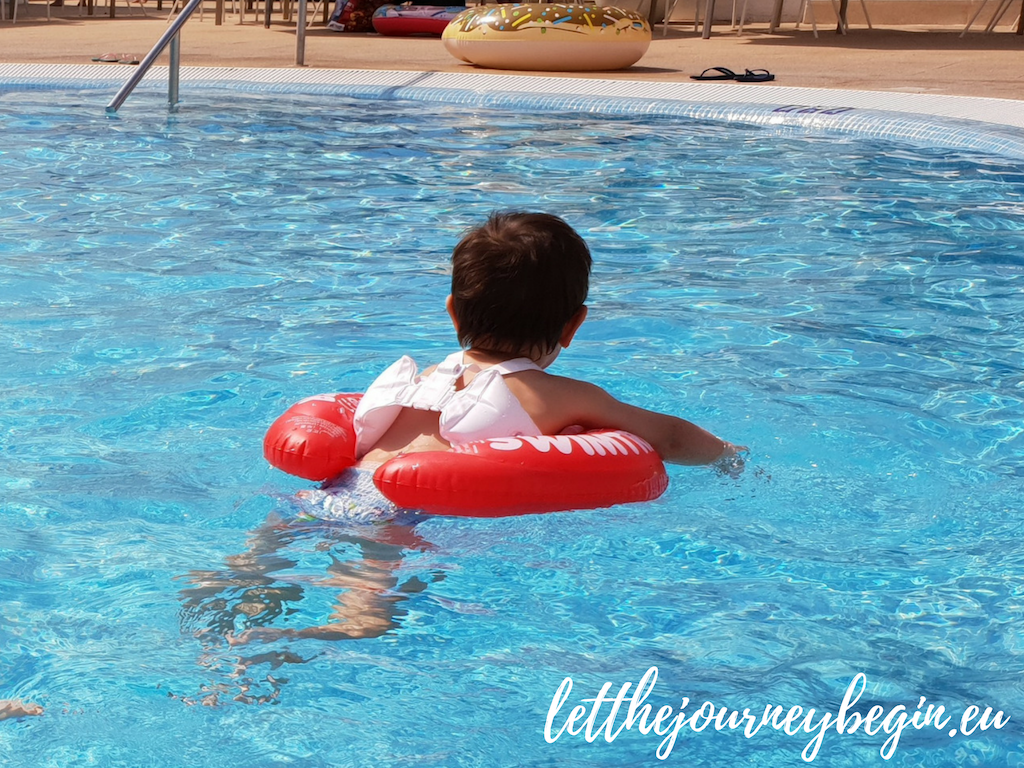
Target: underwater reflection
{"type": "Point", "coordinates": [270, 585]}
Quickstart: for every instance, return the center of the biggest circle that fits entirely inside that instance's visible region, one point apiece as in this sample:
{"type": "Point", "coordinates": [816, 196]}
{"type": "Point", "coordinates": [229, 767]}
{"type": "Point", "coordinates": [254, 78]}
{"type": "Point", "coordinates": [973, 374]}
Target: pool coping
{"type": "Point", "coordinates": [958, 122]}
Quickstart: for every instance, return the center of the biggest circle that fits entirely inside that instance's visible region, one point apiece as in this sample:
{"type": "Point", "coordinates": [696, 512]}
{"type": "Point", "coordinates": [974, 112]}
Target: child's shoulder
{"type": "Point", "coordinates": [557, 385]}
{"type": "Point", "coordinates": [555, 402]}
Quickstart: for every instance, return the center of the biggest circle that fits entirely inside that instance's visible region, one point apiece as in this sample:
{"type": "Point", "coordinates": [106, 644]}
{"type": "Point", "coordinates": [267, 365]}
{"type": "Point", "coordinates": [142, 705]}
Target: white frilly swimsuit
{"type": "Point", "coordinates": [485, 408]}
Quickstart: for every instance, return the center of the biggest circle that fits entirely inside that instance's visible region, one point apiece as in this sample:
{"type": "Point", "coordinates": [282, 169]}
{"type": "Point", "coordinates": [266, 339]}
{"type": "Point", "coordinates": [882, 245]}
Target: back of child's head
{"type": "Point", "coordinates": [517, 280]}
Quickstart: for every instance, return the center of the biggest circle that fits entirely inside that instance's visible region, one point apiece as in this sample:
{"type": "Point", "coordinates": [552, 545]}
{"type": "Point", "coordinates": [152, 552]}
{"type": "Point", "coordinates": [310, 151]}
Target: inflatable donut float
{"type": "Point", "coordinates": [315, 440]}
{"type": "Point", "coordinates": [557, 38]}
{"type": "Point", "coordinates": [408, 19]}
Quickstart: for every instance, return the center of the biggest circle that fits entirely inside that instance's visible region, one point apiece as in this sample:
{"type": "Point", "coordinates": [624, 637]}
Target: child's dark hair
{"type": "Point", "coordinates": [517, 280]}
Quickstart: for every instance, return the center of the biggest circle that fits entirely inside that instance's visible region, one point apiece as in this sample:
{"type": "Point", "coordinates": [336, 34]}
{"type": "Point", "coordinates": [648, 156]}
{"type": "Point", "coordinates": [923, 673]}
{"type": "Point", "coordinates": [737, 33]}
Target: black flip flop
{"type": "Point", "coordinates": [755, 76]}
{"type": "Point", "coordinates": [723, 74]}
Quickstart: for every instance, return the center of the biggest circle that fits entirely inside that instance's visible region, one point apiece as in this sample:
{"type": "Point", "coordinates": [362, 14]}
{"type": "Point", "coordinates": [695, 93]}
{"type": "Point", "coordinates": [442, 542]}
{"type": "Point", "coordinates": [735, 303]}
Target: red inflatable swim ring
{"type": "Point", "coordinates": [315, 440]}
{"type": "Point", "coordinates": [407, 19]}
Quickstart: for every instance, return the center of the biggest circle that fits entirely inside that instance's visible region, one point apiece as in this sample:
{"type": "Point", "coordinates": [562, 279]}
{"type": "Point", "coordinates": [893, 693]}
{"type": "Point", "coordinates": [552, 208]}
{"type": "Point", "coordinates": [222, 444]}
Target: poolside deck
{"type": "Point", "coordinates": [917, 60]}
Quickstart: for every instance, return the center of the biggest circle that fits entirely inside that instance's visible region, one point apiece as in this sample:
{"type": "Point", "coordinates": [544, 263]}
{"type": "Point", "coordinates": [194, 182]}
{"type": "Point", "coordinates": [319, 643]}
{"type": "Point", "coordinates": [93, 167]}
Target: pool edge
{"type": "Point", "coordinates": [962, 122]}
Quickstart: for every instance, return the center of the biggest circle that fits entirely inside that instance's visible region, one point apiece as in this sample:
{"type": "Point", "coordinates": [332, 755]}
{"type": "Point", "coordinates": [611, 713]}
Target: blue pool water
{"type": "Point", "coordinates": [848, 308]}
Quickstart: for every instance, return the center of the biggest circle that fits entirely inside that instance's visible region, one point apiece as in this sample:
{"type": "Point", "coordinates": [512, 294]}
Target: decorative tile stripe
{"type": "Point", "coordinates": [987, 125]}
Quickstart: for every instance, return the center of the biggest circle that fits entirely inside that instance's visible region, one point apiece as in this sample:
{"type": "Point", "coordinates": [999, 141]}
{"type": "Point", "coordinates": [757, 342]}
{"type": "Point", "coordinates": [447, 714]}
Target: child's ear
{"type": "Point", "coordinates": [572, 326]}
{"type": "Point", "coordinates": [449, 304]}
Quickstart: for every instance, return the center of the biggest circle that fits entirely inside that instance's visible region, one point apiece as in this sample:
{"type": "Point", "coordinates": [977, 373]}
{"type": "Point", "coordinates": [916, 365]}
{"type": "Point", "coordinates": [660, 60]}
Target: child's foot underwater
{"type": "Point", "coordinates": [362, 613]}
{"type": "Point", "coordinates": [17, 708]}
{"type": "Point", "coordinates": [365, 627]}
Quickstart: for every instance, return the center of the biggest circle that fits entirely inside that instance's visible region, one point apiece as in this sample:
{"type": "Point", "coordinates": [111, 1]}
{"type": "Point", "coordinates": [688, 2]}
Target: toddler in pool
{"type": "Point", "coordinates": [519, 283]}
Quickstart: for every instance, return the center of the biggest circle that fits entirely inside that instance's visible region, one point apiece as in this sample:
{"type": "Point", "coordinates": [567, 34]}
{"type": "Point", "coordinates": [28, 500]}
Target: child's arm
{"type": "Point", "coordinates": [676, 440]}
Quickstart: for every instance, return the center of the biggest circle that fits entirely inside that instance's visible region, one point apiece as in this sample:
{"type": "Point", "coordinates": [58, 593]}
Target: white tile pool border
{"type": "Point", "coordinates": [989, 125]}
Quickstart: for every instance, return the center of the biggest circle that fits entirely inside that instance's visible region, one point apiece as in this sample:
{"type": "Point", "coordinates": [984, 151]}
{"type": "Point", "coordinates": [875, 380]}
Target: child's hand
{"type": "Point", "coordinates": [731, 463]}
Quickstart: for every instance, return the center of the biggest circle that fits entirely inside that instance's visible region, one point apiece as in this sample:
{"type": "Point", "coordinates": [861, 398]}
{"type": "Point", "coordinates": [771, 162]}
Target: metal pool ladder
{"type": "Point", "coordinates": [170, 36]}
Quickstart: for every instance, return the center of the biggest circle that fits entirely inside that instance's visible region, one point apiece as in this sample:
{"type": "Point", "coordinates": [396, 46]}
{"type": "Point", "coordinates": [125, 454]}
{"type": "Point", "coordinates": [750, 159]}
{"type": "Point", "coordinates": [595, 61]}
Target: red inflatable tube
{"type": "Point", "coordinates": [404, 20]}
{"type": "Point", "coordinates": [315, 440]}
{"type": "Point", "coordinates": [405, 26]}
{"type": "Point", "coordinates": [526, 475]}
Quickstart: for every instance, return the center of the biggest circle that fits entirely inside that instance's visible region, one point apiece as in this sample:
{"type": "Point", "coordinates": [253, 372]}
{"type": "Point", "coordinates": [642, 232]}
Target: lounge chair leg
{"type": "Point", "coordinates": [814, 23]}
{"type": "Point", "coordinates": [670, 7]}
{"type": "Point", "coordinates": [864, 7]}
{"type": "Point", "coordinates": [1004, 6]}
{"type": "Point", "coordinates": [839, 16]}
{"type": "Point", "coordinates": [974, 18]}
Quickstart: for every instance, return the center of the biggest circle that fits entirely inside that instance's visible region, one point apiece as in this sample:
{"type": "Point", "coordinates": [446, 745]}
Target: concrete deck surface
{"type": "Point", "coordinates": [920, 60]}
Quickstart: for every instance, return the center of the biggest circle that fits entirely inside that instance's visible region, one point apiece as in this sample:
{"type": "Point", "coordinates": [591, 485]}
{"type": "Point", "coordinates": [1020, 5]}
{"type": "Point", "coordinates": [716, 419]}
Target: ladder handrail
{"type": "Point", "coordinates": [171, 34]}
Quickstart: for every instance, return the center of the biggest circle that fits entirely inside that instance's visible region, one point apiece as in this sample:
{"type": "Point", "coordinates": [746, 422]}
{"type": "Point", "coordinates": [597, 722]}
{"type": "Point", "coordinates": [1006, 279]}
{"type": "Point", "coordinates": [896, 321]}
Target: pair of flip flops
{"type": "Point", "coordinates": [117, 58]}
{"type": "Point", "coordinates": [748, 76]}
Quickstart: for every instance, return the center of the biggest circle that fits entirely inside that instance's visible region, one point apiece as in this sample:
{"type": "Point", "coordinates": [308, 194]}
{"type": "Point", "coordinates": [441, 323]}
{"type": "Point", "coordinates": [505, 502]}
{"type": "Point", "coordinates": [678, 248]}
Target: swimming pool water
{"type": "Point", "coordinates": [848, 308]}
